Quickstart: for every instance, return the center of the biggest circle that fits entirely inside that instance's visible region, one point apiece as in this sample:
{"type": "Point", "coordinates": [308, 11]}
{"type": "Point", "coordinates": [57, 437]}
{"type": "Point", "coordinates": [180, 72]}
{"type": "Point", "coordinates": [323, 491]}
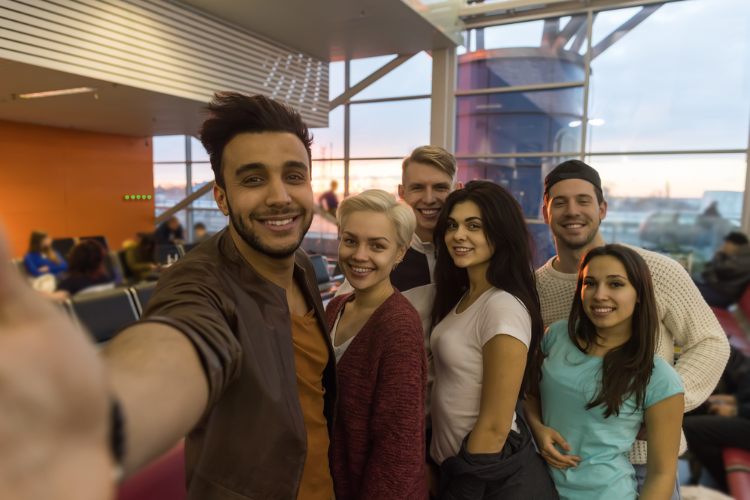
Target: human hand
{"type": "Point", "coordinates": [548, 440]}
{"type": "Point", "coordinates": [723, 405]}
{"type": "Point", "coordinates": [54, 400]}
{"type": "Point", "coordinates": [722, 399]}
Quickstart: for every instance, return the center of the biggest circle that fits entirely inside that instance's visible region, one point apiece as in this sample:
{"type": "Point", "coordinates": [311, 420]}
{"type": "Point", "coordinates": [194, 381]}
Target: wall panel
{"type": "Point", "coordinates": [71, 183]}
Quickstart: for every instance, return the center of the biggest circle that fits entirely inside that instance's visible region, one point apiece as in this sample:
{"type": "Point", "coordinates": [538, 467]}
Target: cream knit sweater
{"type": "Point", "coordinates": [685, 320]}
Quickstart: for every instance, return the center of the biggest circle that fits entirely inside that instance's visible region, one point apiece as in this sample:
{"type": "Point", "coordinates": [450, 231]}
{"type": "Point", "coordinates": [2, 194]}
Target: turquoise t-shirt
{"type": "Point", "coordinates": [570, 379]}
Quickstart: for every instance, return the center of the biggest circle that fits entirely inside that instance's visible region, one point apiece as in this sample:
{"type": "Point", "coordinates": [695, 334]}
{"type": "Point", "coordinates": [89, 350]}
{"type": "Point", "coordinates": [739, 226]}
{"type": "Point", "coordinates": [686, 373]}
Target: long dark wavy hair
{"type": "Point", "coordinates": [510, 269]}
{"type": "Point", "coordinates": [626, 370]}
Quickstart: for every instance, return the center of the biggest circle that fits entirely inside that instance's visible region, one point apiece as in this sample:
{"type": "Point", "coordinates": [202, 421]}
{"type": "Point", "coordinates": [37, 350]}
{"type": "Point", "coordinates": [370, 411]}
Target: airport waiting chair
{"type": "Point", "coordinates": [102, 240]}
{"type": "Point", "coordinates": [115, 268]}
{"type": "Point", "coordinates": [142, 294]}
{"type": "Point", "coordinates": [186, 247]}
{"type": "Point", "coordinates": [105, 313]}
{"type": "Point", "coordinates": [165, 253]}
{"type": "Point", "coordinates": [63, 246]}
{"type": "Point", "coordinates": [320, 264]}
{"type": "Point", "coordinates": [163, 479]}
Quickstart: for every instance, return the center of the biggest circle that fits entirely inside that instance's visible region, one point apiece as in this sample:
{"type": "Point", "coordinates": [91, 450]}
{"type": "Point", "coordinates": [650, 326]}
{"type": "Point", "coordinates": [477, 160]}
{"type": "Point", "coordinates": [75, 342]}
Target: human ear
{"type": "Point", "coordinates": [221, 199]}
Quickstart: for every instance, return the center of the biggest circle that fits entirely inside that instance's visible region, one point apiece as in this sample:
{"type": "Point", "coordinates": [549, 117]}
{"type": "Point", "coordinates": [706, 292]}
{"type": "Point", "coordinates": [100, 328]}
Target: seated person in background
{"type": "Point", "coordinates": [86, 268]}
{"type": "Point", "coordinates": [139, 258]}
{"type": "Point", "coordinates": [169, 232]}
{"type": "Point", "coordinates": [728, 422]}
{"type": "Point", "coordinates": [328, 201]}
{"type": "Point", "coordinates": [41, 257]}
{"type": "Point", "coordinates": [199, 232]}
{"type": "Point", "coordinates": [725, 277]}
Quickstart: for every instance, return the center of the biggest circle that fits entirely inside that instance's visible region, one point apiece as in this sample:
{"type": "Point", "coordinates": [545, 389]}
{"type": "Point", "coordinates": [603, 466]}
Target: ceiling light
{"type": "Point", "coordinates": [574, 123]}
{"type": "Point", "coordinates": [54, 93]}
{"type": "Point", "coordinates": [596, 122]}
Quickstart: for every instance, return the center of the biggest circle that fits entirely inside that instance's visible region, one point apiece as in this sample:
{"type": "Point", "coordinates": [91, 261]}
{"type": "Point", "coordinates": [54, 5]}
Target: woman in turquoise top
{"type": "Point", "coordinates": [601, 382]}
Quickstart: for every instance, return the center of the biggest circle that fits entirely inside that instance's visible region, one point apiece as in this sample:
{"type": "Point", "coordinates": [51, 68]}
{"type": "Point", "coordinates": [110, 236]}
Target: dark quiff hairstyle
{"type": "Point", "coordinates": [510, 269]}
{"type": "Point", "coordinates": [232, 113]}
{"type": "Point", "coordinates": [626, 370]}
{"type": "Point", "coordinates": [35, 241]}
{"type": "Point", "coordinates": [87, 259]}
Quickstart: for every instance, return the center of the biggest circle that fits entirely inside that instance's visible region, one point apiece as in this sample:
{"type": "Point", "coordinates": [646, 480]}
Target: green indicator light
{"type": "Point", "coordinates": [137, 197]}
{"type": "Point", "coordinates": [148, 197]}
{"type": "Point", "coordinates": [126, 197]}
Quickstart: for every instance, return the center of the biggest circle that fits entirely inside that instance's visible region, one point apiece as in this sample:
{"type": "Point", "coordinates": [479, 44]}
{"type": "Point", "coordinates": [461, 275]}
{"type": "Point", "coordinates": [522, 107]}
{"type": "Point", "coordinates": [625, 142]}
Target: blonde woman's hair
{"type": "Point", "coordinates": [379, 201]}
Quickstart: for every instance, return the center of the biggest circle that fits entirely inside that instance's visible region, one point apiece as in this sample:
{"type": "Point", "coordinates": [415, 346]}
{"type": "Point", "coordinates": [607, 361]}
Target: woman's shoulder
{"type": "Point", "coordinates": [497, 297]}
{"type": "Point", "coordinates": [664, 382]}
{"type": "Point", "coordinates": [556, 332]}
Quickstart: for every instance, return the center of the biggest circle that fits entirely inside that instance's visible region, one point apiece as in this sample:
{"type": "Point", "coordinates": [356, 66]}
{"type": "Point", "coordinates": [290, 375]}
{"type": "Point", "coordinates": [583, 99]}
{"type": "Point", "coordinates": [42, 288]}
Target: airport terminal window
{"type": "Point", "coordinates": [698, 92]}
{"type": "Point", "coordinates": [688, 204]}
{"type": "Point", "coordinates": [666, 122]}
{"type": "Point", "coordinates": [519, 122]}
{"type": "Point", "coordinates": [389, 129]}
{"type": "Point", "coordinates": [414, 77]}
{"type": "Point", "coordinates": [169, 184]}
{"type": "Point", "coordinates": [375, 174]}
{"type": "Point", "coordinates": [169, 148]}
{"type": "Point", "coordinates": [328, 143]}
{"type": "Point", "coordinates": [197, 151]}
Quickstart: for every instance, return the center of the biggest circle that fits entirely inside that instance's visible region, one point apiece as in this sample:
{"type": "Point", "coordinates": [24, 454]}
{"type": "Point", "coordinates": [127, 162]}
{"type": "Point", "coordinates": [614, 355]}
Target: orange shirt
{"type": "Point", "coordinates": [310, 358]}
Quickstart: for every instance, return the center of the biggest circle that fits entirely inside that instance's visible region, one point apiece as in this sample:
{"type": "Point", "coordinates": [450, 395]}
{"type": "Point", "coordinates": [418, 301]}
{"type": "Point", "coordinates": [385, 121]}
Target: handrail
{"type": "Point", "coordinates": [184, 203]}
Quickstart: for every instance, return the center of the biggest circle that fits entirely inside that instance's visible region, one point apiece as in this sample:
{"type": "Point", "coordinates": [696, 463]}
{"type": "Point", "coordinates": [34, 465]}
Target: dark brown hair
{"type": "Point", "coordinates": [35, 241]}
{"type": "Point", "coordinates": [510, 268]}
{"type": "Point", "coordinates": [233, 113]}
{"type": "Point", "coordinates": [626, 369]}
{"type": "Point", "coordinates": [87, 259]}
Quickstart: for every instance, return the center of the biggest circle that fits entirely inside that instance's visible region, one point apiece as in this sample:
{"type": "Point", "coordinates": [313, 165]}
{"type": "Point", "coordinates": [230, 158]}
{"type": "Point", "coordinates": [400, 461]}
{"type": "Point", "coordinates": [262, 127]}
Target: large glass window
{"type": "Point", "coordinates": [666, 122]}
{"type": "Point", "coordinates": [679, 80]}
{"type": "Point", "coordinates": [389, 128]}
{"type": "Point", "coordinates": [519, 122]}
{"type": "Point", "coordinates": [672, 203]}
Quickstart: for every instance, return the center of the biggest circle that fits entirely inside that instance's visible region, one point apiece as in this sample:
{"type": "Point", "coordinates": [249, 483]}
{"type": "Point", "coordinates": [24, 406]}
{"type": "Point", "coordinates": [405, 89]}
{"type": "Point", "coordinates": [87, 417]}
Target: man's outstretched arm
{"type": "Point", "coordinates": [55, 392]}
{"type": "Point", "coordinates": [157, 377]}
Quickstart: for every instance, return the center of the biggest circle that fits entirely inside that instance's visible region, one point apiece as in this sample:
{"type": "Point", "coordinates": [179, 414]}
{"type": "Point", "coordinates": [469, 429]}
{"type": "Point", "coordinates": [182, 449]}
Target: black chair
{"type": "Point", "coordinates": [320, 264]}
{"type": "Point", "coordinates": [163, 253]}
{"type": "Point", "coordinates": [63, 246]}
{"type": "Point", "coordinates": [142, 294]}
{"type": "Point", "coordinates": [115, 268]}
{"type": "Point", "coordinates": [102, 240]}
{"type": "Point", "coordinates": [105, 313]}
{"type": "Point", "coordinates": [186, 247]}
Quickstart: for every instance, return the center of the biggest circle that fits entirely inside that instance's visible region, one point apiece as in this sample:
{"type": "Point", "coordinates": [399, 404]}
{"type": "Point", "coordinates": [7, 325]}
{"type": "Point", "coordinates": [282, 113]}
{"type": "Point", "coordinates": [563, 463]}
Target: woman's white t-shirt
{"type": "Point", "coordinates": [456, 344]}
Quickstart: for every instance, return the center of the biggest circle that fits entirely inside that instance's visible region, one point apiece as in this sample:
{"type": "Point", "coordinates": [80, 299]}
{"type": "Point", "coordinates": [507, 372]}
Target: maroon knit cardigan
{"type": "Point", "coordinates": [377, 448]}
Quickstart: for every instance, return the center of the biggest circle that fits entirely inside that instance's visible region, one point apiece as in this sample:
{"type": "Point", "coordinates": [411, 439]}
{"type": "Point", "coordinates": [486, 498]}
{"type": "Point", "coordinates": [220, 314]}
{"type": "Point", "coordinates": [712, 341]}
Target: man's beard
{"type": "Point", "coordinates": [579, 244]}
{"type": "Point", "coordinates": [256, 244]}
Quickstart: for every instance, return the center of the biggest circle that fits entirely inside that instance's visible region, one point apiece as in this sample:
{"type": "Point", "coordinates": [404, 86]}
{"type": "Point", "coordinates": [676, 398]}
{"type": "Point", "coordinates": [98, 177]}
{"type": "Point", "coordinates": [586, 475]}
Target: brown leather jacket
{"type": "Point", "coordinates": [251, 441]}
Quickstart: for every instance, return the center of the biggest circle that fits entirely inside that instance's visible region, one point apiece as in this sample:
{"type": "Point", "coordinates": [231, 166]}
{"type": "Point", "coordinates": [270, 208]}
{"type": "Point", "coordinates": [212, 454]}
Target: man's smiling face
{"type": "Point", "coordinates": [573, 213]}
{"type": "Point", "coordinates": [425, 188]}
{"type": "Point", "coordinates": [268, 194]}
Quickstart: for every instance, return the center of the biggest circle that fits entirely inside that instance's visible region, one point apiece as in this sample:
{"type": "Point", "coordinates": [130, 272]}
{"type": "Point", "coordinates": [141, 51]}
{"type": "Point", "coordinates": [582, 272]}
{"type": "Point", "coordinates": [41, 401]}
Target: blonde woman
{"type": "Point", "coordinates": [377, 450]}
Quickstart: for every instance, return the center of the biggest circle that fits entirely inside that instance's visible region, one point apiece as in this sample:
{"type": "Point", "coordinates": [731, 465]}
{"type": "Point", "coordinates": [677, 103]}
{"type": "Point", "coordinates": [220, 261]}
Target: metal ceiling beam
{"type": "Point", "coordinates": [567, 8]}
{"type": "Point", "coordinates": [623, 30]}
{"type": "Point", "coordinates": [369, 80]}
